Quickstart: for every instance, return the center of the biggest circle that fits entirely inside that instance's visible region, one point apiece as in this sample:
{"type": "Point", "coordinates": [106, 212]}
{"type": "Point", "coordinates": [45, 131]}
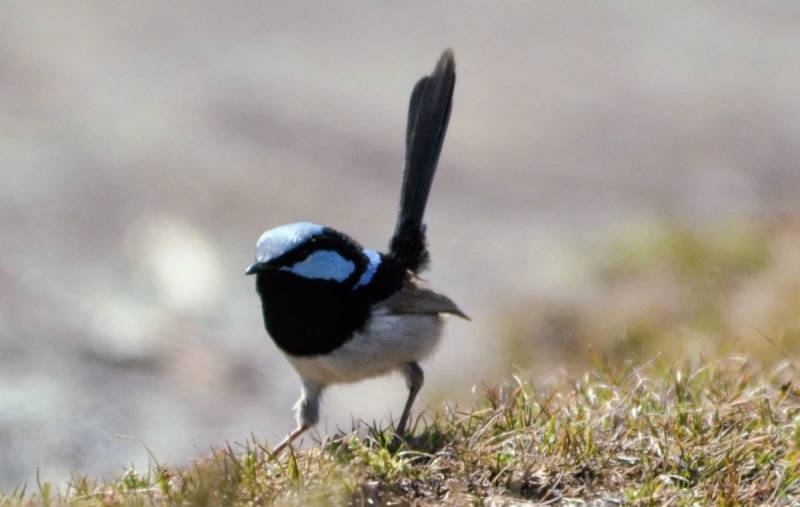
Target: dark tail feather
{"type": "Point", "coordinates": [428, 114]}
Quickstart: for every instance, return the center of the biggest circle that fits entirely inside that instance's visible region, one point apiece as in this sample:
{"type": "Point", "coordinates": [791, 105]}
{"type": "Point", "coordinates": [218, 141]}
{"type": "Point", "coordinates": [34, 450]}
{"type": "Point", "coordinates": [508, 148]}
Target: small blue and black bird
{"type": "Point", "coordinates": [342, 313]}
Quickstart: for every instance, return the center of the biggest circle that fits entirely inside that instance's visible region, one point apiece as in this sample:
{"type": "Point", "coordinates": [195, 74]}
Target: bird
{"type": "Point", "coordinates": [342, 313]}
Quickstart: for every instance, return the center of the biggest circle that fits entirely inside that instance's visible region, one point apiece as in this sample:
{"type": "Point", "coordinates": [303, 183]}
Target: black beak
{"type": "Point", "coordinates": [254, 268]}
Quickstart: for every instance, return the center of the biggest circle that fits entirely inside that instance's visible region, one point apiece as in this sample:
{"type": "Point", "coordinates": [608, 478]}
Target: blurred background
{"type": "Point", "coordinates": [619, 180]}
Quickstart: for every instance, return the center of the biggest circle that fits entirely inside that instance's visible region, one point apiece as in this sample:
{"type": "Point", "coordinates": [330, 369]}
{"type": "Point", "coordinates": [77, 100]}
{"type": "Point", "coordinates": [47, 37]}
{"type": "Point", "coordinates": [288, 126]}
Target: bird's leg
{"type": "Point", "coordinates": [307, 408]}
{"type": "Point", "coordinates": [289, 439]}
{"type": "Point", "coordinates": [414, 380]}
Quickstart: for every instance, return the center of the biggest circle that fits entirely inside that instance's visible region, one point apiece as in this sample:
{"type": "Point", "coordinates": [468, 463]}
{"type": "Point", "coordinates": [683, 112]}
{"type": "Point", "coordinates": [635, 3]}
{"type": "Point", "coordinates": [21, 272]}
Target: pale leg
{"type": "Point", "coordinates": [307, 413]}
{"type": "Point", "coordinates": [289, 439]}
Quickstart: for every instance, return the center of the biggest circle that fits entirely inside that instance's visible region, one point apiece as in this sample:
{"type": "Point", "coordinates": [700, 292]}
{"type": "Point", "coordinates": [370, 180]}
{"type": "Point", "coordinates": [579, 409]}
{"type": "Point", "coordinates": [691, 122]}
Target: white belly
{"type": "Point", "coordinates": [386, 343]}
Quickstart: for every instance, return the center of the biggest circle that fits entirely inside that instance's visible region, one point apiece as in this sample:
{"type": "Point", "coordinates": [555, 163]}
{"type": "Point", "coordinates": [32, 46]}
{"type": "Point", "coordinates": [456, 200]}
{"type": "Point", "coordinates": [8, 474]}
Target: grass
{"type": "Point", "coordinates": [725, 433]}
{"type": "Point", "coordinates": [674, 328]}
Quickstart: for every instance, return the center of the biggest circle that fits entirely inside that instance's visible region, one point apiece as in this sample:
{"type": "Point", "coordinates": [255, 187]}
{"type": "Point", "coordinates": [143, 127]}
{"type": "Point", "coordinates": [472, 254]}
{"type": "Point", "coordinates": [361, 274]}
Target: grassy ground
{"type": "Point", "coordinates": [724, 433]}
{"type": "Point", "coordinates": [691, 340]}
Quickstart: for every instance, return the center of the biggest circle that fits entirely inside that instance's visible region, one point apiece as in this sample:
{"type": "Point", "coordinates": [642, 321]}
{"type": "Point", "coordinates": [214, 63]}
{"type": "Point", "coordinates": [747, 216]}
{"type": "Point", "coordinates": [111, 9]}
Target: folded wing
{"type": "Point", "coordinates": [416, 298]}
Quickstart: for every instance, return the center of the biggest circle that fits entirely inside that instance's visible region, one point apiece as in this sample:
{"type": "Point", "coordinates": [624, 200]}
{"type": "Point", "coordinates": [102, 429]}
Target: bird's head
{"type": "Point", "coordinates": [316, 252]}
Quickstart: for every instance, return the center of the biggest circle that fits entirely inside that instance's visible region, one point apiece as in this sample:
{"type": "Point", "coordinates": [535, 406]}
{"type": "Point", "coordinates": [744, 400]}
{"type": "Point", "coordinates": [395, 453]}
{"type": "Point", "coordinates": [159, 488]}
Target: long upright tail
{"type": "Point", "coordinates": [428, 115]}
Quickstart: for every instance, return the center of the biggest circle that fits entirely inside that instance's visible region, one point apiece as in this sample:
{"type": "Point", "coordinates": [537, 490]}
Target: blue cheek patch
{"type": "Point", "coordinates": [323, 265]}
{"type": "Point", "coordinates": [374, 262]}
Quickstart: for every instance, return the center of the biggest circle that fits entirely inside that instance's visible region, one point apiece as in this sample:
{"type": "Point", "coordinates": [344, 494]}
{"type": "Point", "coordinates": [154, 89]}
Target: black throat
{"type": "Point", "coordinates": [307, 317]}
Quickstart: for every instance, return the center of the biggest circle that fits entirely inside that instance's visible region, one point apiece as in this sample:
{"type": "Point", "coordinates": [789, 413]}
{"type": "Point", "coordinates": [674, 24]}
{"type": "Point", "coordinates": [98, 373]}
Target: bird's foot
{"type": "Point", "coordinates": [276, 453]}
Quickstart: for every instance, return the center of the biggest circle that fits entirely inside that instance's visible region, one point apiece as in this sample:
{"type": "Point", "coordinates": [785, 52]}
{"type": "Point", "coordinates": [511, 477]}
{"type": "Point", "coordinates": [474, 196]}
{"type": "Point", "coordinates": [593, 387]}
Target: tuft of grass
{"type": "Point", "coordinates": [725, 433]}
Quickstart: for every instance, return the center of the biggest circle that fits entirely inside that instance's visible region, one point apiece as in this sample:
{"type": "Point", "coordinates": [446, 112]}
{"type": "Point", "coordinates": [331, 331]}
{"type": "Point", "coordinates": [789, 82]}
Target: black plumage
{"type": "Point", "coordinates": [428, 117]}
{"type": "Point", "coordinates": [307, 317]}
